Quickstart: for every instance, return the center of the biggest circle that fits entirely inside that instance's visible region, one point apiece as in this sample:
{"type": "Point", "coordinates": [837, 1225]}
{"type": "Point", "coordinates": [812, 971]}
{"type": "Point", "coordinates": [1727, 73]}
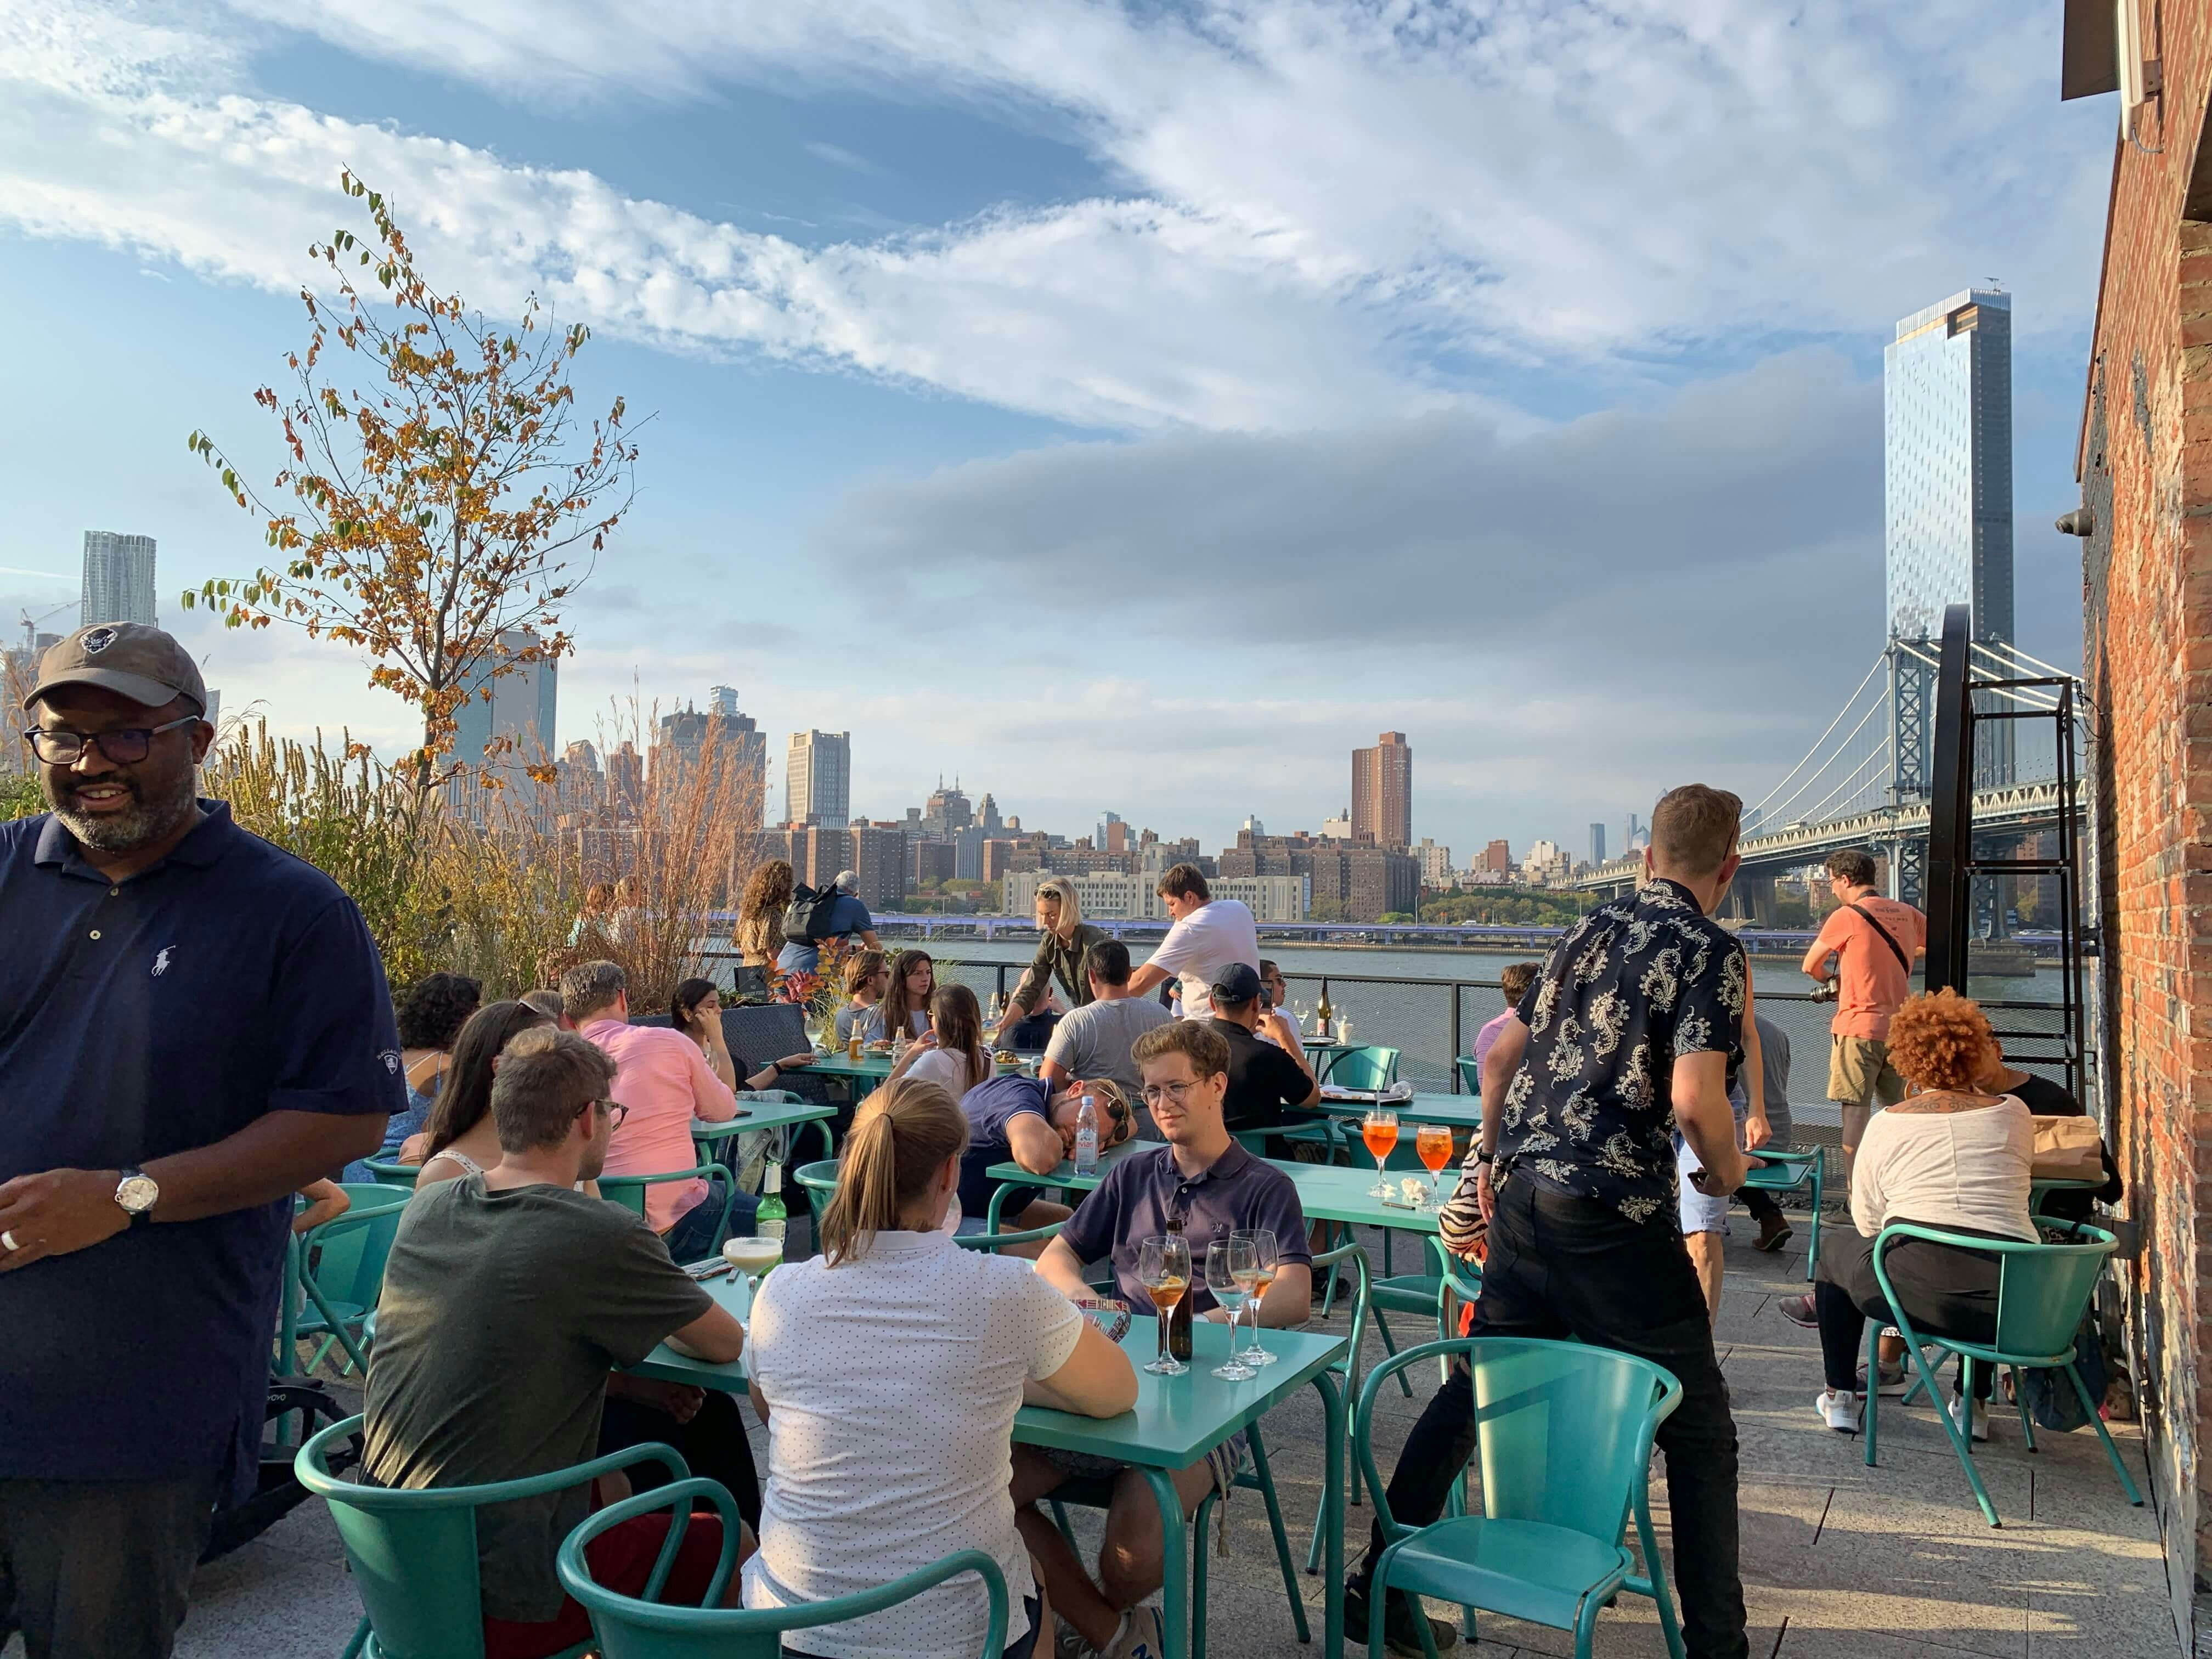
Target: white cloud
{"type": "Point", "coordinates": [838, 156]}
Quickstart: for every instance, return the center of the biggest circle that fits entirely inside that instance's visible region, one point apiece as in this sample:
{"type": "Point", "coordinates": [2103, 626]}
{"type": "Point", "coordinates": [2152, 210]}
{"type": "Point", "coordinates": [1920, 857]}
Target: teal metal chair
{"type": "Point", "coordinates": [1470, 1075]}
{"type": "Point", "coordinates": [818, 1181]}
{"type": "Point", "coordinates": [1348, 1367]}
{"type": "Point", "coordinates": [337, 1275]}
{"type": "Point", "coordinates": [630, 1628]}
{"type": "Point", "coordinates": [995, 1243]}
{"type": "Point", "coordinates": [2043, 1292]}
{"type": "Point", "coordinates": [389, 1172]}
{"type": "Point", "coordinates": [1787, 1172]}
{"type": "Point", "coordinates": [1565, 1435]}
{"type": "Point", "coordinates": [412, 1552]}
{"type": "Point", "coordinates": [628, 1191]}
{"type": "Point", "coordinates": [1364, 1068]}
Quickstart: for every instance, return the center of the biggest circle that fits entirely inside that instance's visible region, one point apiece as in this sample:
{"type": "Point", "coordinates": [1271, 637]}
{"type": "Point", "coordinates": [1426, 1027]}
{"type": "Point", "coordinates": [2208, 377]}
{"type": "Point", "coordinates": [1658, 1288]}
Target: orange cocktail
{"type": "Point", "coordinates": [1379, 1129]}
{"type": "Point", "coordinates": [1433, 1141]}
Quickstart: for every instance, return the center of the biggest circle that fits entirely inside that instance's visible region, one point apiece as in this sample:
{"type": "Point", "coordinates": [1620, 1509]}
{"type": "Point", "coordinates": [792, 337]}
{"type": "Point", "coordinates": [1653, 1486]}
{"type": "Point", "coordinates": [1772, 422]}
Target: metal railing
{"type": "Point", "coordinates": [1431, 1021]}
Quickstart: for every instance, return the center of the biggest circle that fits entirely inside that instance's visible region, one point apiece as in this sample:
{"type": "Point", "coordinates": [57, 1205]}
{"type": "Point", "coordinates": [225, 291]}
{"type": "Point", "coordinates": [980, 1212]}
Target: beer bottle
{"type": "Point", "coordinates": [1179, 1317]}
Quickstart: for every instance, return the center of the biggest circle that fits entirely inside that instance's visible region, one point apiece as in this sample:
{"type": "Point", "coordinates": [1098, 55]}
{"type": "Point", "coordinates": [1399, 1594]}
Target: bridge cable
{"type": "Point", "coordinates": [1873, 709]}
{"type": "Point", "coordinates": [1760, 803]}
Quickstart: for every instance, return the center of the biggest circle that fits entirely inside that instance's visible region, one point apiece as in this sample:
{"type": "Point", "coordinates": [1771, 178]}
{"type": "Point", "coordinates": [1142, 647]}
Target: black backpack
{"type": "Point", "coordinates": [806, 918]}
{"type": "Point", "coordinates": [278, 1490]}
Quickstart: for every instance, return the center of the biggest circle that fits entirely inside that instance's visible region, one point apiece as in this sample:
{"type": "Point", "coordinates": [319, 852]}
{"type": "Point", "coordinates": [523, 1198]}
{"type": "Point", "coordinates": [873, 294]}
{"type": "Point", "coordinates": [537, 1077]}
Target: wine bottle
{"type": "Point", "coordinates": [771, 1219]}
{"type": "Point", "coordinates": [1180, 1315]}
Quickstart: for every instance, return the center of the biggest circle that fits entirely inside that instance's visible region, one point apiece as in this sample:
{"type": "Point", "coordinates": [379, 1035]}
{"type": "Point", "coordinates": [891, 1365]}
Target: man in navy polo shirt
{"type": "Point", "coordinates": [1214, 1186]}
{"type": "Point", "coordinates": [193, 1025]}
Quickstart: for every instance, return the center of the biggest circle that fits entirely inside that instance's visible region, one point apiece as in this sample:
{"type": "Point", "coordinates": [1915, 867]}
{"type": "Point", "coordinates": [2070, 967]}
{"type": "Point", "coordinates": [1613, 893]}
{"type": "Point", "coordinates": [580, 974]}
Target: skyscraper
{"type": "Point", "coordinates": [738, 746]}
{"type": "Point", "coordinates": [119, 579]}
{"type": "Point", "coordinates": [1946, 430]}
{"type": "Point", "coordinates": [818, 778]}
{"type": "Point", "coordinates": [510, 729]}
{"type": "Point", "coordinates": [1597, 843]}
{"type": "Point", "coordinates": [1382, 792]}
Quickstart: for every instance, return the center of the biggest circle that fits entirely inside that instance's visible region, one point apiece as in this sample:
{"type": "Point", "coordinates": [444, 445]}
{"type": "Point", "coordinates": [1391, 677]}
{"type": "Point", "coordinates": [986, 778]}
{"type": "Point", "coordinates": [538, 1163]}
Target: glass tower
{"type": "Point", "coordinates": [1946, 404]}
{"type": "Point", "coordinates": [119, 580]}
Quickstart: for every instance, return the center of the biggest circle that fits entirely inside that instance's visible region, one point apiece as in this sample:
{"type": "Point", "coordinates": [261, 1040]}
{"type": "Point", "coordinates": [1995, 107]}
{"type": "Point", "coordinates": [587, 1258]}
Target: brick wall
{"type": "Point", "coordinates": [2146, 468]}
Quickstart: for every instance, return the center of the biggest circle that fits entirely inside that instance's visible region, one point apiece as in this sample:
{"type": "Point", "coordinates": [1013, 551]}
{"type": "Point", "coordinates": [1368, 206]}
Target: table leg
{"type": "Point", "coordinates": [1175, 1566]}
{"type": "Point", "coordinates": [1332, 1506]}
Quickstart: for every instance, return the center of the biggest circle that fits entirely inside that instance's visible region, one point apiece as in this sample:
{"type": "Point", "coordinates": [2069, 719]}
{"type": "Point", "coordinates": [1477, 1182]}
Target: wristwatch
{"type": "Point", "coordinates": [138, 1194]}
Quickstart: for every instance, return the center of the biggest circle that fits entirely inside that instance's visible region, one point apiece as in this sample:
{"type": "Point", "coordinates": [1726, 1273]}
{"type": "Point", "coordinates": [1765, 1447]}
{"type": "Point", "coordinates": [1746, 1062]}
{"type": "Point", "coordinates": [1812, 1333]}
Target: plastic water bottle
{"type": "Point", "coordinates": [1086, 1137]}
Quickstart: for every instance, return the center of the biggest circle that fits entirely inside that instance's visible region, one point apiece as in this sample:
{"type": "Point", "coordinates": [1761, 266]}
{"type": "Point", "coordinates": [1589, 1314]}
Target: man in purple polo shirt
{"type": "Point", "coordinates": [1213, 1186]}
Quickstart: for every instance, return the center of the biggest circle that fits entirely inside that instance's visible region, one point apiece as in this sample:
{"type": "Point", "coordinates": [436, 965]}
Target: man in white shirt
{"type": "Point", "coordinates": [1208, 935]}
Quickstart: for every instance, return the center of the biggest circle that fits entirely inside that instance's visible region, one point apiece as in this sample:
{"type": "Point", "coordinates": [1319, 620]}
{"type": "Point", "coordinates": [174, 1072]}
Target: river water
{"type": "Point", "coordinates": [1416, 1017]}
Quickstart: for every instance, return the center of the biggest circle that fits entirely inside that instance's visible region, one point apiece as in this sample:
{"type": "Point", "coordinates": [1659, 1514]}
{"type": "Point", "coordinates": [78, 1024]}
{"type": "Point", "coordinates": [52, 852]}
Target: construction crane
{"type": "Point", "coordinates": [31, 624]}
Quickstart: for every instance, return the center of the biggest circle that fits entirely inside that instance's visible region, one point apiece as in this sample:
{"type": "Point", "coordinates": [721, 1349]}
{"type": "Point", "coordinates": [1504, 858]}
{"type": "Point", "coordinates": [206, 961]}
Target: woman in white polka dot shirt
{"type": "Point", "coordinates": [889, 1369]}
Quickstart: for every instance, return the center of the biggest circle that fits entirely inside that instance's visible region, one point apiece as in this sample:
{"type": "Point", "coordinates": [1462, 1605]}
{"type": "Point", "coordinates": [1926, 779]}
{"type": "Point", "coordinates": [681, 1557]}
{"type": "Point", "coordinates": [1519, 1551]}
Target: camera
{"type": "Point", "coordinates": [1826, 993]}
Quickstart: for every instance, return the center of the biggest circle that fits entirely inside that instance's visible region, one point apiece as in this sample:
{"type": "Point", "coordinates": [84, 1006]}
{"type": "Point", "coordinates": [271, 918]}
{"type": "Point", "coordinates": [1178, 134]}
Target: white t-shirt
{"type": "Point", "coordinates": [1202, 945]}
{"type": "Point", "coordinates": [892, 1382]}
{"type": "Point", "coordinates": [1946, 1170]}
{"type": "Point", "coordinates": [945, 1066]}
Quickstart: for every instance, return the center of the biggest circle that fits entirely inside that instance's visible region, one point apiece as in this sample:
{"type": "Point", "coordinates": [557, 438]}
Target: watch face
{"type": "Point", "coordinates": [136, 1194]}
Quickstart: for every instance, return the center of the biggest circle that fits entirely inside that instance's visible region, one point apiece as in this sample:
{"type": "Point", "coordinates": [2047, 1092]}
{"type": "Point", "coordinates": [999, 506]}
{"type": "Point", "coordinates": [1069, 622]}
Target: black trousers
{"type": "Point", "coordinates": [1560, 1265]}
{"type": "Point", "coordinates": [101, 1569]}
{"type": "Point", "coordinates": [1945, 1290]}
{"type": "Point", "coordinates": [713, 1443]}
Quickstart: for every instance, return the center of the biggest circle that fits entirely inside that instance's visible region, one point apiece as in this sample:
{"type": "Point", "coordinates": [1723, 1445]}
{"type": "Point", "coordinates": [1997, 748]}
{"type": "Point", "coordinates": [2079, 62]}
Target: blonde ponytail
{"type": "Point", "coordinates": [900, 1138]}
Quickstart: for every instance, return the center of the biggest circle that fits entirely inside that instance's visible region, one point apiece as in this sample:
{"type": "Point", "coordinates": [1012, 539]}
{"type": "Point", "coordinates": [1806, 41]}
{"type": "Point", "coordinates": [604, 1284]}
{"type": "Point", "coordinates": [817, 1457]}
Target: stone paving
{"type": "Point", "coordinates": [1839, 1560]}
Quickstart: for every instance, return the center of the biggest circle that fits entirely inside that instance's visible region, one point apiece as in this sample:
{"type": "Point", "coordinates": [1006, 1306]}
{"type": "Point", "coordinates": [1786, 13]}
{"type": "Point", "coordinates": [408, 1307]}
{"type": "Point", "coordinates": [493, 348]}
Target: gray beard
{"type": "Point", "coordinates": [147, 821]}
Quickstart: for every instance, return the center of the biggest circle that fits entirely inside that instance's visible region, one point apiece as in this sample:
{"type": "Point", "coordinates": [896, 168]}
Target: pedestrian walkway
{"type": "Point", "coordinates": [1840, 1561]}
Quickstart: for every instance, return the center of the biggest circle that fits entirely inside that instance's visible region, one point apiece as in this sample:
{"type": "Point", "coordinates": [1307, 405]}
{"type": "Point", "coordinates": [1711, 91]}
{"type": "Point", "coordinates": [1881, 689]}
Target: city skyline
{"type": "Point", "coordinates": [959, 362]}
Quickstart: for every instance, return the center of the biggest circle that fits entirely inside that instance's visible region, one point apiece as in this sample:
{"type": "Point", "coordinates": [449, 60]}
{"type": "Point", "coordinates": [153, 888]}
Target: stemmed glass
{"type": "Point", "coordinates": [1379, 1129]}
{"type": "Point", "coordinates": [1229, 1276]}
{"type": "Point", "coordinates": [1164, 1269]}
{"type": "Point", "coordinates": [1434, 1143]}
{"type": "Point", "coordinates": [1263, 1261]}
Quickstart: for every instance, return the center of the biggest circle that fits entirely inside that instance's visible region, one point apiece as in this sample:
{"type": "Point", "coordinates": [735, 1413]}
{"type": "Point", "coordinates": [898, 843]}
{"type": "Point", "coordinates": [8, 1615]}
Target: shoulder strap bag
{"type": "Point", "coordinates": [1889, 938]}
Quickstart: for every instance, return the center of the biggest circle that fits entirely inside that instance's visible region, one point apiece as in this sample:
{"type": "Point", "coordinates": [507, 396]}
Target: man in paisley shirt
{"type": "Point", "coordinates": [1630, 1032]}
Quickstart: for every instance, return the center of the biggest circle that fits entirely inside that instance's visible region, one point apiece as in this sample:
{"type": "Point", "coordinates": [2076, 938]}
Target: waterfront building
{"type": "Point", "coordinates": [1597, 843]}
{"type": "Point", "coordinates": [1436, 863]}
{"type": "Point", "coordinates": [1547, 865]}
{"type": "Point", "coordinates": [1382, 792]}
{"type": "Point", "coordinates": [1107, 894]}
{"type": "Point", "coordinates": [119, 580]}
{"type": "Point", "coordinates": [1338, 828]}
{"type": "Point", "coordinates": [1496, 859]}
{"type": "Point", "coordinates": [737, 745]}
{"type": "Point", "coordinates": [817, 774]}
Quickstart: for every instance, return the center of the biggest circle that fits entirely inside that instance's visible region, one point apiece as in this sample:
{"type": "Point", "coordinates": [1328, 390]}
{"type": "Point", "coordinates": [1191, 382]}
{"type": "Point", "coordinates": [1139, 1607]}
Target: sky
{"type": "Point", "coordinates": [1115, 406]}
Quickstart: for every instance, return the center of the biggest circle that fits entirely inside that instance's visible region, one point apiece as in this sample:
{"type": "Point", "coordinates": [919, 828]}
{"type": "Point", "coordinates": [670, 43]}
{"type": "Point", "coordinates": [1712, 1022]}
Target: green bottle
{"type": "Point", "coordinates": [769, 1220]}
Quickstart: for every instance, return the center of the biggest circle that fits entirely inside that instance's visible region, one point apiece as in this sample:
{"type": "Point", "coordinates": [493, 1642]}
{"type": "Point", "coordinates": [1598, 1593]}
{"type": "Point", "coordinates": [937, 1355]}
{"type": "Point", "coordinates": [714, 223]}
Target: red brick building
{"type": "Point", "coordinates": [2145, 465]}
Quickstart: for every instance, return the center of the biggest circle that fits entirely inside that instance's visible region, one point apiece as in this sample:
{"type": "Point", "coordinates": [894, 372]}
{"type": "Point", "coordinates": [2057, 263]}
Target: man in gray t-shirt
{"type": "Point", "coordinates": [508, 1298]}
{"type": "Point", "coordinates": [1094, 1041]}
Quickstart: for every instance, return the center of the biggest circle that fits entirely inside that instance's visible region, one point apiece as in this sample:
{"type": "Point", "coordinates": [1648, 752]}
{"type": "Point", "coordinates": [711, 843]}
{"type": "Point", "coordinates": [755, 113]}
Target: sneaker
{"type": "Point", "coordinates": [1773, 1232]}
{"type": "Point", "coordinates": [1139, 1637]}
{"type": "Point", "coordinates": [1068, 1642]}
{"type": "Point", "coordinates": [1844, 1412]}
{"type": "Point", "coordinates": [1798, 1310]}
{"type": "Point", "coordinates": [1978, 1427]}
{"type": "Point", "coordinates": [1893, 1379]}
{"type": "Point", "coordinates": [1401, 1638]}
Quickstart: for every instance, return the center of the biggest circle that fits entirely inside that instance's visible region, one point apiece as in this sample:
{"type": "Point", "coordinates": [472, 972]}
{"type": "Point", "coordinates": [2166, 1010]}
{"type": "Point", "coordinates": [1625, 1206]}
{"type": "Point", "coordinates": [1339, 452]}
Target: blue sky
{"type": "Point", "coordinates": [1128, 407]}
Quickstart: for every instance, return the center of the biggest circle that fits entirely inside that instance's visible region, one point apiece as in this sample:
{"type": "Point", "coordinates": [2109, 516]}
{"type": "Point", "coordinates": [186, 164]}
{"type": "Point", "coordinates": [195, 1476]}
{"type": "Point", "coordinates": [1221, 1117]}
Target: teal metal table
{"type": "Point", "coordinates": [764, 1115]}
{"type": "Point", "coordinates": [1454, 1111]}
{"type": "Point", "coordinates": [1327, 1192]}
{"type": "Point", "coordinates": [1174, 1422]}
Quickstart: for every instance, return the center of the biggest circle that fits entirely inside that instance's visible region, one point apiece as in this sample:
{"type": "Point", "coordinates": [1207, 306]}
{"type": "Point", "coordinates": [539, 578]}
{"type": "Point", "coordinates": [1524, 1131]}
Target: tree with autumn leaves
{"type": "Point", "coordinates": [439, 519]}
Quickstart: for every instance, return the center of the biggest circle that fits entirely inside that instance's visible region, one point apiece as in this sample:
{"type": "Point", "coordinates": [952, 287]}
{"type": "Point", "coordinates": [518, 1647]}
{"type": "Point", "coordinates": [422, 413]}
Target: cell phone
{"type": "Point", "coordinates": [714, 1269]}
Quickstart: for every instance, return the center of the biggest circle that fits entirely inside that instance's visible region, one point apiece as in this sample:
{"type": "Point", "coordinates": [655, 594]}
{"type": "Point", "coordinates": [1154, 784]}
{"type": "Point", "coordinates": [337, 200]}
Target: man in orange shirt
{"type": "Point", "coordinates": [1874, 942]}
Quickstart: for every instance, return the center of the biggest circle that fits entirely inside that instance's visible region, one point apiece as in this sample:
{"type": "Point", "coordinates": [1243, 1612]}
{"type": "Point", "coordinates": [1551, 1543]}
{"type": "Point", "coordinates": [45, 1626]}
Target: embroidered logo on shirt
{"type": "Point", "coordinates": [162, 960]}
{"type": "Point", "coordinates": [98, 640]}
{"type": "Point", "coordinates": [390, 1058]}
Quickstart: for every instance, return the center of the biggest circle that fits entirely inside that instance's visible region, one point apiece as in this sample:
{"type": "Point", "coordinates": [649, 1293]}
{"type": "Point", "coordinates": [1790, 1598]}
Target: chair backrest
{"type": "Point", "coordinates": [389, 1173]}
{"type": "Point", "coordinates": [1365, 1068]}
{"type": "Point", "coordinates": [630, 1628]}
{"type": "Point", "coordinates": [348, 1253]}
{"type": "Point", "coordinates": [819, 1181]}
{"type": "Point", "coordinates": [758, 1033]}
{"type": "Point", "coordinates": [1564, 1430]}
{"type": "Point", "coordinates": [2043, 1292]}
{"type": "Point", "coordinates": [413, 1550]}
{"type": "Point", "coordinates": [1470, 1075]}
{"type": "Point", "coordinates": [993, 1243]}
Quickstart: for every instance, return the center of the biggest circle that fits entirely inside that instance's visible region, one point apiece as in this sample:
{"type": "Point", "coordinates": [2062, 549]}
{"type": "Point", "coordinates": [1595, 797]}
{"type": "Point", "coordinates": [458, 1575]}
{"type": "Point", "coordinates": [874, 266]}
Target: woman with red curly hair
{"type": "Point", "coordinates": [1950, 1155]}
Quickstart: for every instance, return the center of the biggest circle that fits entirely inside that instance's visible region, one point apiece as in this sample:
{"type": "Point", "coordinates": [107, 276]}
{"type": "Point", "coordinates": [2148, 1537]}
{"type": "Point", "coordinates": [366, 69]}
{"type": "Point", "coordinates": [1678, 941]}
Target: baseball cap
{"type": "Point", "coordinates": [132, 659]}
{"type": "Point", "coordinates": [1238, 983]}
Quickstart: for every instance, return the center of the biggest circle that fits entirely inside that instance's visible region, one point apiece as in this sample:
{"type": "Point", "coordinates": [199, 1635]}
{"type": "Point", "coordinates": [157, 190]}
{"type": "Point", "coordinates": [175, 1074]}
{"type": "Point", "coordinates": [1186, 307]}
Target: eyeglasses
{"type": "Point", "coordinates": [616, 1110]}
{"type": "Point", "coordinates": [126, 745]}
{"type": "Point", "coordinates": [1156, 1092]}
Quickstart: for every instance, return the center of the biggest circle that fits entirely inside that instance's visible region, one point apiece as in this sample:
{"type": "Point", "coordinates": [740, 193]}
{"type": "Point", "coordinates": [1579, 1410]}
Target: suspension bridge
{"type": "Point", "coordinates": [1865, 782]}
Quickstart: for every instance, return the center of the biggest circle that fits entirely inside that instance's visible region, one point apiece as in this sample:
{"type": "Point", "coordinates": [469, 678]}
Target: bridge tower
{"type": "Point", "coordinates": [1911, 704]}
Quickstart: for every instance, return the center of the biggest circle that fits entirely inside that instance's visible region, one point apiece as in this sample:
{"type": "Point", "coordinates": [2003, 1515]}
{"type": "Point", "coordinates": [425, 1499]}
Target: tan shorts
{"type": "Point", "coordinates": [1859, 1067]}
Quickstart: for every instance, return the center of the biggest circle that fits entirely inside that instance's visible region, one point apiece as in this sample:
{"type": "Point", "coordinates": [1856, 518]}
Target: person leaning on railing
{"type": "Point", "coordinates": [1952, 1155]}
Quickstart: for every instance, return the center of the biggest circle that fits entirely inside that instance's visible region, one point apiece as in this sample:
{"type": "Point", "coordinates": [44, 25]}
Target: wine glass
{"type": "Point", "coordinates": [1164, 1269]}
{"type": "Point", "coordinates": [1379, 1129]}
{"type": "Point", "coordinates": [1229, 1276]}
{"type": "Point", "coordinates": [1264, 1258]}
{"type": "Point", "coordinates": [1433, 1142]}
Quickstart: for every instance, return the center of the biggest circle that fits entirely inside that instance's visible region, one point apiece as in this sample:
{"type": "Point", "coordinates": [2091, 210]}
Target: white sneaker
{"type": "Point", "coordinates": [1841, 1411]}
{"type": "Point", "coordinates": [1979, 1429]}
{"type": "Point", "coordinates": [1139, 1637]}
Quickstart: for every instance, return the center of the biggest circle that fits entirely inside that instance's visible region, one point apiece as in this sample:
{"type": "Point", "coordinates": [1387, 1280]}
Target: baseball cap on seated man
{"type": "Point", "coordinates": [1238, 983]}
{"type": "Point", "coordinates": [132, 659]}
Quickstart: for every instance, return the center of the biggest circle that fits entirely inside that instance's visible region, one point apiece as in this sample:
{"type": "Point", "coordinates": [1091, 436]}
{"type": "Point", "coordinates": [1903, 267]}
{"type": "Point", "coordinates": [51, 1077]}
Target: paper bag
{"type": "Point", "coordinates": [2067, 1149]}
